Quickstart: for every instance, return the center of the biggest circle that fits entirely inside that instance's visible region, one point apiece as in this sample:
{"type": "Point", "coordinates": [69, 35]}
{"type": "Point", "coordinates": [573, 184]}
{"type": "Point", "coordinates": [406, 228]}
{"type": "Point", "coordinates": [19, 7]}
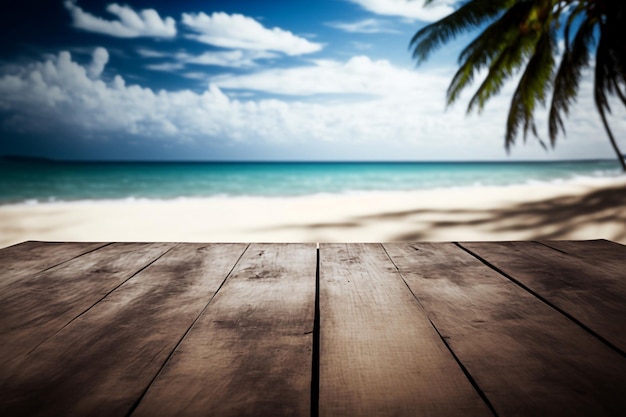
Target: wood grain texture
{"type": "Point", "coordinates": [528, 359]}
{"type": "Point", "coordinates": [379, 354]}
{"type": "Point", "coordinates": [22, 261]}
{"type": "Point", "coordinates": [592, 294]}
{"type": "Point", "coordinates": [101, 363]}
{"type": "Point", "coordinates": [249, 354]}
{"type": "Point", "coordinates": [34, 308]}
{"type": "Point", "coordinates": [156, 329]}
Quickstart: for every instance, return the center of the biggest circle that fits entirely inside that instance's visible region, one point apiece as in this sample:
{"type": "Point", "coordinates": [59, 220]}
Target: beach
{"type": "Point", "coordinates": [594, 209]}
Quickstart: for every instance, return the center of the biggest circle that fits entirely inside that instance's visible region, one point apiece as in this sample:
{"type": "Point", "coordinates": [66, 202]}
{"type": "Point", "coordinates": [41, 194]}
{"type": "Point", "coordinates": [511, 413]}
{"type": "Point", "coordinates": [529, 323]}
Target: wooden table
{"type": "Point", "coordinates": [398, 329]}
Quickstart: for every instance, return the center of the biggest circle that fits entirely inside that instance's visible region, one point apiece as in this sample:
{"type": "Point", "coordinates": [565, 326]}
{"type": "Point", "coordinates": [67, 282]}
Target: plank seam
{"type": "Point", "coordinates": [180, 341]}
{"type": "Point", "coordinates": [551, 247]}
{"type": "Point", "coordinates": [75, 257]}
{"type": "Point", "coordinates": [101, 298]}
{"type": "Point", "coordinates": [315, 362]}
{"type": "Point", "coordinates": [544, 300]}
{"type": "Point", "coordinates": [465, 371]}
{"type": "Point", "coordinates": [472, 381]}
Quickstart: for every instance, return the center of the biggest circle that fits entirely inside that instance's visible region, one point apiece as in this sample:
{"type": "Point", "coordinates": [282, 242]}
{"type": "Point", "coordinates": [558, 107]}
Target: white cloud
{"type": "Point", "coordinates": [412, 9]}
{"type": "Point", "coordinates": [99, 59]}
{"type": "Point", "coordinates": [130, 24]}
{"type": "Point", "coordinates": [408, 116]}
{"type": "Point", "coordinates": [233, 59]}
{"type": "Point", "coordinates": [241, 32]}
{"type": "Point", "coordinates": [149, 53]}
{"type": "Point", "coordinates": [359, 75]}
{"type": "Point", "coordinates": [196, 75]}
{"type": "Point", "coordinates": [180, 60]}
{"type": "Point", "coordinates": [363, 26]}
{"type": "Point", "coordinates": [166, 66]}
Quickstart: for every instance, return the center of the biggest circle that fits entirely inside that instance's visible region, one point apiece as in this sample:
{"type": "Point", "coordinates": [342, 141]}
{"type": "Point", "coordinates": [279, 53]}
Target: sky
{"type": "Point", "coordinates": [252, 80]}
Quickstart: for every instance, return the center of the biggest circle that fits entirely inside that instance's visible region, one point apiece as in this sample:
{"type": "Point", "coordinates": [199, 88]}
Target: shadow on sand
{"type": "Point", "coordinates": [601, 213]}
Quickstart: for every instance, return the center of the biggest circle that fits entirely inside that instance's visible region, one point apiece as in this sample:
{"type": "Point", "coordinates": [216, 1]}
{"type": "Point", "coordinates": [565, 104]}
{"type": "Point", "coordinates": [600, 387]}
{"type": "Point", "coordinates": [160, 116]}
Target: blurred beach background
{"type": "Point", "coordinates": [310, 201]}
{"type": "Point", "coordinates": [226, 94]}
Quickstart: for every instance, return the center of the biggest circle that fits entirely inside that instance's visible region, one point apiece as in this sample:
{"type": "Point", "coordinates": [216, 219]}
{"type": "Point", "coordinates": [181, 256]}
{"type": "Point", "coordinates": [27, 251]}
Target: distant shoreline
{"type": "Point", "coordinates": [44, 159]}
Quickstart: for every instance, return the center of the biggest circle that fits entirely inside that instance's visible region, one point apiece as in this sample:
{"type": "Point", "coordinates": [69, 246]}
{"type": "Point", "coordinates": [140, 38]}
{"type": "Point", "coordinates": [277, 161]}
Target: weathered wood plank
{"type": "Point", "coordinates": [379, 354]}
{"type": "Point", "coordinates": [250, 352]}
{"type": "Point", "coordinates": [21, 261]}
{"type": "Point", "coordinates": [101, 363]}
{"type": "Point", "coordinates": [593, 295]}
{"type": "Point", "coordinates": [528, 359]}
{"type": "Point", "coordinates": [33, 309]}
{"type": "Point", "coordinates": [596, 252]}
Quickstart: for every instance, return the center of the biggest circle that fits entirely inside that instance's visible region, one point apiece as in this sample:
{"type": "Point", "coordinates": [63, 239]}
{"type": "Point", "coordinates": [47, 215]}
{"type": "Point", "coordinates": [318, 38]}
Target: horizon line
{"type": "Point", "coordinates": [42, 159]}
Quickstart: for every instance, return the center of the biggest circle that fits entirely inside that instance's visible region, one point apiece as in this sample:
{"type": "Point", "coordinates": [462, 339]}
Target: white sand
{"type": "Point", "coordinates": [589, 210]}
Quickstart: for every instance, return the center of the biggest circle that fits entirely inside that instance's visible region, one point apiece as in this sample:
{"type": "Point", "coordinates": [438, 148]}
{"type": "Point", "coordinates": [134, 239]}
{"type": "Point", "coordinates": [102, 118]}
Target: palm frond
{"type": "Point", "coordinates": [615, 30]}
{"type": "Point", "coordinates": [520, 35]}
{"type": "Point", "coordinates": [602, 85]}
{"type": "Point", "coordinates": [486, 47]}
{"type": "Point", "coordinates": [613, 52]}
{"type": "Point", "coordinates": [566, 81]}
{"type": "Point", "coordinates": [468, 16]}
{"type": "Point", "coordinates": [618, 90]}
{"type": "Point", "coordinates": [575, 12]}
{"type": "Point", "coordinates": [532, 88]}
{"type": "Point", "coordinates": [502, 68]}
{"type": "Point", "coordinates": [601, 77]}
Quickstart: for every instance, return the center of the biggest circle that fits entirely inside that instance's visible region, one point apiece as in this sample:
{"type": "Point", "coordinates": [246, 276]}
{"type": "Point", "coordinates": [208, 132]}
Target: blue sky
{"type": "Point", "coordinates": [250, 80]}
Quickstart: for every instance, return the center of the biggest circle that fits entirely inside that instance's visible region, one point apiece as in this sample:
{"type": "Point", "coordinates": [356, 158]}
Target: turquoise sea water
{"type": "Point", "coordinates": [38, 182]}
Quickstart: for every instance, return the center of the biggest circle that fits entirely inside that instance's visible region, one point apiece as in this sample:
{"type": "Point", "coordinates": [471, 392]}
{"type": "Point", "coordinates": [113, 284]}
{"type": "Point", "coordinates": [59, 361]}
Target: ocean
{"type": "Point", "coordinates": [35, 182]}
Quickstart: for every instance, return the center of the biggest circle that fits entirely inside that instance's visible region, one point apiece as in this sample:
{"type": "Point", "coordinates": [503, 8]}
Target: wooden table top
{"type": "Point", "coordinates": [394, 329]}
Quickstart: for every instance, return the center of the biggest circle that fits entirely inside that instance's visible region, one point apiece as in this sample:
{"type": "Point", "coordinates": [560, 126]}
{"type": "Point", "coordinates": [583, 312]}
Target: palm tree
{"type": "Point", "coordinates": [522, 35]}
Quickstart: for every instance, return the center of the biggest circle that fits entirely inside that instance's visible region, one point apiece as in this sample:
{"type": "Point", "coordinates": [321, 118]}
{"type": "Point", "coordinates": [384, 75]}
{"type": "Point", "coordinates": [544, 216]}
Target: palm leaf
{"type": "Point", "coordinates": [486, 47]}
{"type": "Point", "coordinates": [520, 35]}
{"type": "Point", "coordinates": [618, 90]}
{"type": "Point", "coordinates": [502, 68]}
{"type": "Point", "coordinates": [602, 85]}
{"type": "Point", "coordinates": [467, 17]}
{"type": "Point", "coordinates": [601, 79]}
{"type": "Point", "coordinates": [566, 81]}
{"type": "Point", "coordinates": [532, 88]}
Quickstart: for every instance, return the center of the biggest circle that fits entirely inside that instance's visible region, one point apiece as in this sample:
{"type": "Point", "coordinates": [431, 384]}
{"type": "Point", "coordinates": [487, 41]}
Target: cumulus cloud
{"type": "Point", "coordinates": [60, 95]}
{"type": "Point", "coordinates": [412, 9]}
{"type": "Point", "coordinates": [129, 24]}
{"type": "Point", "coordinates": [363, 26]}
{"type": "Point", "coordinates": [241, 32]}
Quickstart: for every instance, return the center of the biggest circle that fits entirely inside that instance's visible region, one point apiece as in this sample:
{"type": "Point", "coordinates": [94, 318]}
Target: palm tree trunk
{"type": "Point", "coordinates": [620, 156]}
